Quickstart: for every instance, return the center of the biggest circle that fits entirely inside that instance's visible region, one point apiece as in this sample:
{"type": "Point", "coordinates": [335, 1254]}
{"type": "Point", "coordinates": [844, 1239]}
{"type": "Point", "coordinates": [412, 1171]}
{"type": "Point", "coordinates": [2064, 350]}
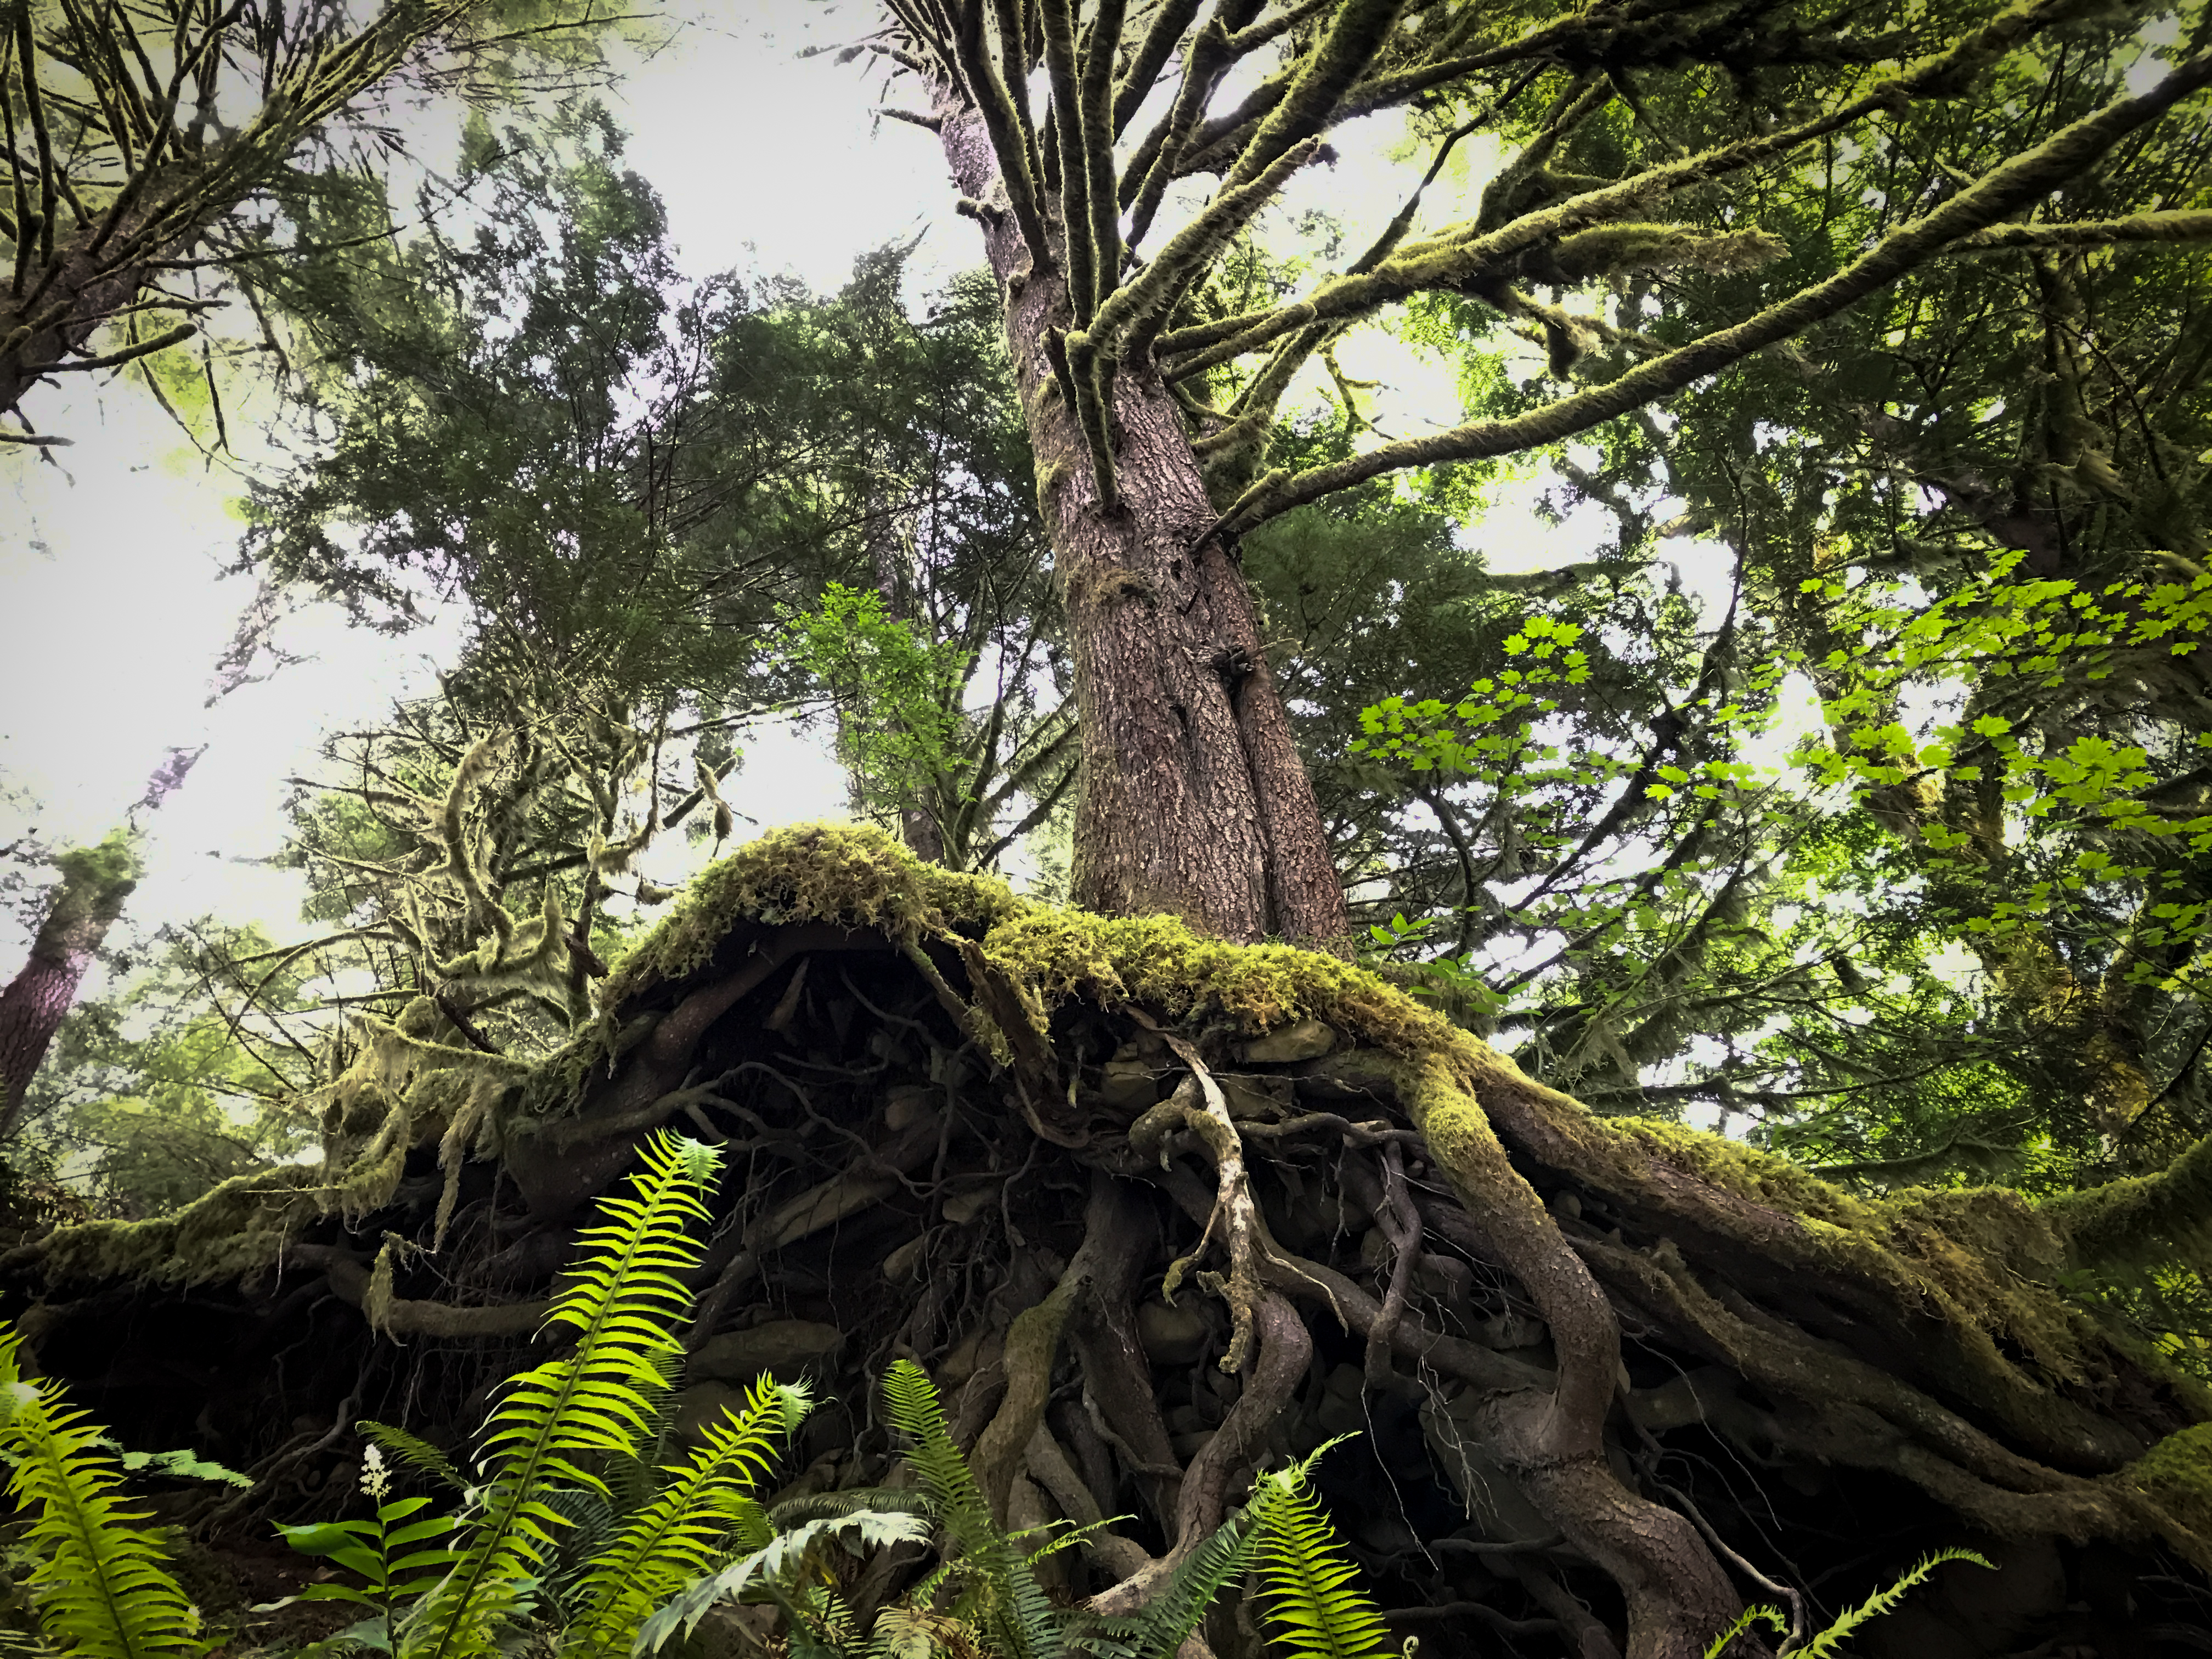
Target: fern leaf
{"type": "Point", "coordinates": [557, 1419]}
{"type": "Point", "coordinates": [1759, 1615]}
{"type": "Point", "coordinates": [768, 1568]}
{"type": "Point", "coordinates": [673, 1539]}
{"type": "Point", "coordinates": [1308, 1585]}
{"type": "Point", "coordinates": [918, 1413]}
{"type": "Point", "coordinates": [414, 1451]}
{"type": "Point", "coordinates": [814, 1505]}
{"type": "Point", "coordinates": [1016, 1610]}
{"type": "Point", "coordinates": [1174, 1613]}
{"type": "Point", "coordinates": [99, 1588]}
{"type": "Point", "coordinates": [1829, 1641]}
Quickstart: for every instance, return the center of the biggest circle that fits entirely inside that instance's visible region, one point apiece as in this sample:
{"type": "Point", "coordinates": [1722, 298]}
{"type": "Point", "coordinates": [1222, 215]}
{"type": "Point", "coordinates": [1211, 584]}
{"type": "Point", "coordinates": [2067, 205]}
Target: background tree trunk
{"type": "Point", "coordinates": [1194, 799]}
{"type": "Point", "coordinates": [95, 880]}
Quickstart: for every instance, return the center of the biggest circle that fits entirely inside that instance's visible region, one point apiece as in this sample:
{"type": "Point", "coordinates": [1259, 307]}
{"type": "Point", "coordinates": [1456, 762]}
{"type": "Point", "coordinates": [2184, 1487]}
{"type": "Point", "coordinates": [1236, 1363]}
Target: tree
{"type": "Point", "coordinates": [1891, 491]}
{"type": "Point", "coordinates": [1194, 798]}
{"type": "Point", "coordinates": [139, 138]}
{"type": "Point", "coordinates": [78, 910]}
{"type": "Point", "coordinates": [1620, 1377]}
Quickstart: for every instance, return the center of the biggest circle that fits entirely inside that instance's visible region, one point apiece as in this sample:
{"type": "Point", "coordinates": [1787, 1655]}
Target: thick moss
{"type": "Point", "coordinates": [231, 1230]}
{"type": "Point", "coordinates": [1987, 1258]}
{"type": "Point", "coordinates": [2178, 1473]}
{"type": "Point", "coordinates": [811, 873]}
{"type": "Point", "coordinates": [2127, 1226]}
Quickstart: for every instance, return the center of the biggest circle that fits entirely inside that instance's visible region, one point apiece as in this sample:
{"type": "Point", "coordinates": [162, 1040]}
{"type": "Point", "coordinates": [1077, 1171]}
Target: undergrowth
{"type": "Point", "coordinates": [576, 1534]}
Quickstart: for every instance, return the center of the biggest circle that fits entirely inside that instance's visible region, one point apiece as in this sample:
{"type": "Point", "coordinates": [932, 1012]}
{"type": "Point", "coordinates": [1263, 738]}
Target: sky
{"type": "Point", "coordinates": [112, 556]}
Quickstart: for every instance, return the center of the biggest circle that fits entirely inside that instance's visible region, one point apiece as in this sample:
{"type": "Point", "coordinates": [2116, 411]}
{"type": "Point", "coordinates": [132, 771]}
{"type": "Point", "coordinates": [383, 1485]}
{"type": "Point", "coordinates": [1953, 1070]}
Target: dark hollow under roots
{"type": "Point", "coordinates": [888, 1191]}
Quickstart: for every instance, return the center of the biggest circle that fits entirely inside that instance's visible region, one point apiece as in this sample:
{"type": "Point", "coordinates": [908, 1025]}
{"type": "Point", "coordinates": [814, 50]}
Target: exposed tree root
{"type": "Point", "coordinates": [1155, 1214]}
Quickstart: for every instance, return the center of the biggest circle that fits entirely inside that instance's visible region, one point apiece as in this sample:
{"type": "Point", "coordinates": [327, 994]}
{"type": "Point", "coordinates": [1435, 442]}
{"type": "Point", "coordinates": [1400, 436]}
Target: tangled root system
{"type": "Point", "coordinates": [1155, 1211]}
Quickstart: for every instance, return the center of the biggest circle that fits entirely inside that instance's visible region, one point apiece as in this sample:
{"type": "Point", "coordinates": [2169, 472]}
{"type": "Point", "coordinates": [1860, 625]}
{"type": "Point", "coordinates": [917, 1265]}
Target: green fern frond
{"type": "Point", "coordinates": [1829, 1641]}
{"type": "Point", "coordinates": [415, 1452]}
{"type": "Point", "coordinates": [1190, 1590]}
{"type": "Point", "coordinates": [910, 1629]}
{"type": "Point", "coordinates": [555, 1419]}
{"type": "Point", "coordinates": [817, 1505]}
{"type": "Point", "coordinates": [674, 1538]}
{"type": "Point", "coordinates": [1308, 1584]}
{"type": "Point", "coordinates": [99, 1588]}
{"type": "Point", "coordinates": [912, 1402]}
{"type": "Point", "coordinates": [1014, 1607]}
{"type": "Point", "coordinates": [769, 1569]}
{"type": "Point", "coordinates": [1769, 1617]}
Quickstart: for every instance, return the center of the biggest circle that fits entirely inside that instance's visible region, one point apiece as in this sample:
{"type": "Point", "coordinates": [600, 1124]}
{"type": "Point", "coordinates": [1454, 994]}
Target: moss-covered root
{"type": "Point", "coordinates": [1032, 1342]}
{"type": "Point", "coordinates": [2126, 1228]}
{"type": "Point", "coordinates": [1554, 1443]}
{"type": "Point", "coordinates": [1285, 1352]}
{"type": "Point", "coordinates": [2175, 1476]}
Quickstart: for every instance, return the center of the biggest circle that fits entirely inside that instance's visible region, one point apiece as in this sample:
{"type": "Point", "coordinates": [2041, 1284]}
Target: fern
{"type": "Point", "coordinates": [772, 1569]}
{"type": "Point", "coordinates": [1308, 1584]}
{"type": "Point", "coordinates": [1829, 1641]}
{"type": "Point", "coordinates": [673, 1539]}
{"type": "Point", "coordinates": [1015, 1609]}
{"type": "Point", "coordinates": [99, 1588]}
{"type": "Point", "coordinates": [1769, 1616]}
{"type": "Point", "coordinates": [1174, 1613]}
{"type": "Point", "coordinates": [414, 1451]}
{"type": "Point", "coordinates": [815, 1505]}
{"type": "Point", "coordinates": [620, 1302]}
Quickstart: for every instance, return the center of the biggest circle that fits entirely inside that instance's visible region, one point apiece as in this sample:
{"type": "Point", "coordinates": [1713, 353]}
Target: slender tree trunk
{"type": "Point", "coordinates": [1194, 799]}
{"type": "Point", "coordinates": [95, 880]}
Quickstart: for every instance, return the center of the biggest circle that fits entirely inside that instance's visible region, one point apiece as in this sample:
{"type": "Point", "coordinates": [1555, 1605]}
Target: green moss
{"type": "Point", "coordinates": [233, 1229]}
{"type": "Point", "coordinates": [2130, 1226]}
{"type": "Point", "coordinates": [811, 873]}
{"type": "Point", "coordinates": [1159, 963]}
{"type": "Point", "coordinates": [1745, 1169]}
{"type": "Point", "coordinates": [2178, 1474]}
{"type": "Point", "coordinates": [1984, 1260]}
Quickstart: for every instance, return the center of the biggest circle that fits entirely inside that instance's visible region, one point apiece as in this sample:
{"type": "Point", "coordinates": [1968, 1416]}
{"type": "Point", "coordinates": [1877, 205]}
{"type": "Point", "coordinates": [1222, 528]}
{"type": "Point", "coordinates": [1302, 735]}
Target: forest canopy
{"type": "Point", "coordinates": [1524, 711]}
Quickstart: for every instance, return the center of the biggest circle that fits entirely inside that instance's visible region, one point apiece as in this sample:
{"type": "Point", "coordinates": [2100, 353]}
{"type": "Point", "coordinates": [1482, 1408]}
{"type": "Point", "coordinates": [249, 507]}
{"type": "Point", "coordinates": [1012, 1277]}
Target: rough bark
{"type": "Point", "coordinates": [1195, 800]}
{"type": "Point", "coordinates": [95, 881]}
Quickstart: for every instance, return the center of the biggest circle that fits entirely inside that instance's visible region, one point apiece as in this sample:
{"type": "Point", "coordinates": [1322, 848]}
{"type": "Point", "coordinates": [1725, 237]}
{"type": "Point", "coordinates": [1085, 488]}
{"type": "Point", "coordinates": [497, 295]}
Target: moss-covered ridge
{"type": "Point", "coordinates": [1986, 1258]}
{"type": "Point", "coordinates": [1981, 1262]}
{"type": "Point", "coordinates": [861, 878]}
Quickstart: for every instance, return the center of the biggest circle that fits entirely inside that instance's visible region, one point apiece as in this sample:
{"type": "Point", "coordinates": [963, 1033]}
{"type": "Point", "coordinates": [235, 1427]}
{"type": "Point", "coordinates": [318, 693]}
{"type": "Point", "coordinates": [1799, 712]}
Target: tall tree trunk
{"type": "Point", "coordinates": [95, 880]}
{"type": "Point", "coordinates": [1194, 799]}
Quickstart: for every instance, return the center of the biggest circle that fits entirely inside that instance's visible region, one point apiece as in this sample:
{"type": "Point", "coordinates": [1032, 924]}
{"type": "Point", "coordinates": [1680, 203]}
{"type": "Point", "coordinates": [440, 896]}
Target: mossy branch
{"type": "Point", "coordinates": [1097, 153]}
{"type": "Point", "coordinates": [2003, 191]}
{"type": "Point", "coordinates": [1009, 134]}
{"type": "Point", "coordinates": [1014, 67]}
{"type": "Point", "coordinates": [2090, 232]}
{"type": "Point", "coordinates": [1134, 315]}
{"type": "Point", "coordinates": [2133, 1226]}
{"type": "Point", "coordinates": [1150, 57]}
{"type": "Point", "coordinates": [1460, 252]}
{"type": "Point", "coordinates": [1090, 372]}
{"type": "Point", "coordinates": [1083, 278]}
{"type": "Point", "coordinates": [1154, 164]}
{"type": "Point", "coordinates": [1354, 37]}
